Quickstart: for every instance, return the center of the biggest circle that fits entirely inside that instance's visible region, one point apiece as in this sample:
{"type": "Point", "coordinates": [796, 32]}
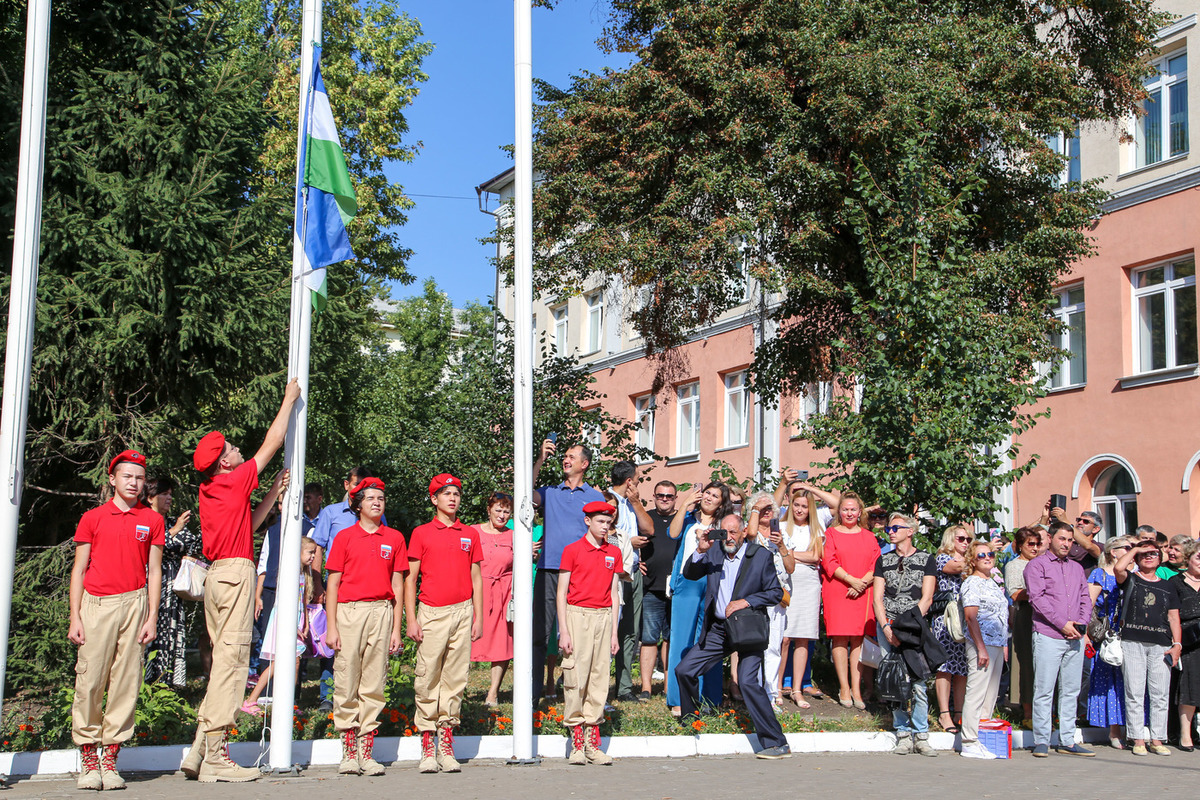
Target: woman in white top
{"type": "Point", "coordinates": [770, 537]}
{"type": "Point", "coordinates": [805, 533]}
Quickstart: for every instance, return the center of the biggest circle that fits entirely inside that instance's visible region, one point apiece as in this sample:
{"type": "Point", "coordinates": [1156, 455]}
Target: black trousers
{"type": "Point", "coordinates": [545, 615]}
{"type": "Point", "coordinates": [699, 659]}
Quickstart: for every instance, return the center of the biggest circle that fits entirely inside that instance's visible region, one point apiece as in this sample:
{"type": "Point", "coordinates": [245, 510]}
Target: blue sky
{"type": "Point", "coordinates": [464, 114]}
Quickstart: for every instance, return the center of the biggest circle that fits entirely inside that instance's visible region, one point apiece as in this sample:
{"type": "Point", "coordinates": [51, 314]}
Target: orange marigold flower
{"type": "Point", "coordinates": [698, 724]}
{"type": "Point", "coordinates": [408, 731]}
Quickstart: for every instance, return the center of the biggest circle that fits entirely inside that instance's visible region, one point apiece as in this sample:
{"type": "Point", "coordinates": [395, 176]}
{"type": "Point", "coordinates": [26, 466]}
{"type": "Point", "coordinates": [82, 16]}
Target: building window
{"type": "Point", "coordinates": [1162, 130]}
{"type": "Point", "coordinates": [1066, 146]}
{"type": "Point", "coordinates": [1116, 501]}
{"type": "Point", "coordinates": [561, 342]}
{"type": "Point", "coordinates": [643, 412]}
{"type": "Point", "coordinates": [595, 321]}
{"type": "Point", "coordinates": [1072, 369]}
{"type": "Point", "coordinates": [815, 400]}
{"type": "Point", "coordinates": [687, 424]}
{"type": "Point", "coordinates": [737, 410]}
{"type": "Point", "coordinates": [1164, 300]}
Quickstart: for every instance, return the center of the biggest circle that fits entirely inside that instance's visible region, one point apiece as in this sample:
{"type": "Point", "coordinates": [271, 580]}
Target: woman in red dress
{"type": "Point", "coordinates": [848, 569]}
{"type": "Point", "coordinates": [496, 643]}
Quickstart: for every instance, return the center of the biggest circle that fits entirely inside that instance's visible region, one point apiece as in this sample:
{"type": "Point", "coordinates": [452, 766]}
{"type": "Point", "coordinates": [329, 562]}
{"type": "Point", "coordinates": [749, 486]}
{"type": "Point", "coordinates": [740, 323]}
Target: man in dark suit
{"type": "Point", "coordinates": [758, 588]}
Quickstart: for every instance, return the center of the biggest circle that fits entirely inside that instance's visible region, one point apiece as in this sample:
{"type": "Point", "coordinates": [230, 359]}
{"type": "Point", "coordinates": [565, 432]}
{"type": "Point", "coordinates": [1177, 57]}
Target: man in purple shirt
{"type": "Point", "coordinates": [1062, 607]}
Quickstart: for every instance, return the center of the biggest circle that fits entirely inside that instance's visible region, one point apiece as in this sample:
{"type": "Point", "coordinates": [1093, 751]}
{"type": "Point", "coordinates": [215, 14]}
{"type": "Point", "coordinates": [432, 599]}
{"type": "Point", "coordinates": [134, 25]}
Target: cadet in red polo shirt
{"type": "Point", "coordinates": [589, 600]}
{"type": "Point", "coordinates": [115, 587]}
{"type": "Point", "coordinates": [445, 554]}
{"type": "Point", "coordinates": [227, 481]}
{"type": "Point", "coordinates": [366, 564]}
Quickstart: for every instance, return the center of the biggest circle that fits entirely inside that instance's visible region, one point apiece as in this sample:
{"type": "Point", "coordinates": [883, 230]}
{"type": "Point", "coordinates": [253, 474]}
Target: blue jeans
{"type": "Point", "coordinates": [1055, 661]}
{"type": "Point", "coordinates": [916, 720]}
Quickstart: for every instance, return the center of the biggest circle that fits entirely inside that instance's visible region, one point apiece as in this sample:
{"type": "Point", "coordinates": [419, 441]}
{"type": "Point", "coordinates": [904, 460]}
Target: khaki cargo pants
{"type": "Point", "coordinates": [443, 660]}
{"type": "Point", "coordinates": [110, 659]}
{"type": "Point", "coordinates": [586, 670]}
{"type": "Point", "coordinates": [360, 666]}
{"type": "Point", "coordinates": [229, 612]}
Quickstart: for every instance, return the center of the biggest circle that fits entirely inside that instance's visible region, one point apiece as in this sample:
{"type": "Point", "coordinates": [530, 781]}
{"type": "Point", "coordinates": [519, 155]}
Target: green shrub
{"type": "Point", "coordinates": [40, 658]}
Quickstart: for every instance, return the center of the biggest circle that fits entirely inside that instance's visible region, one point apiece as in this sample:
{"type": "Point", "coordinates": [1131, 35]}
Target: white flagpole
{"type": "Point", "coordinates": [524, 670]}
{"type": "Point", "coordinates": [287, 586]}
{"type": "Point", "coordinates": [22, 304]}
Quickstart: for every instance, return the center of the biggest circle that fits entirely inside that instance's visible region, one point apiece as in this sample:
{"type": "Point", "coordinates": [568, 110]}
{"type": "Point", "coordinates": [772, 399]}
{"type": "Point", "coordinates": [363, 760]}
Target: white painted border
{"type": "Point", "coordinates": [1098, 459]}
{"type": "Point", "coordinates": [327, 752]}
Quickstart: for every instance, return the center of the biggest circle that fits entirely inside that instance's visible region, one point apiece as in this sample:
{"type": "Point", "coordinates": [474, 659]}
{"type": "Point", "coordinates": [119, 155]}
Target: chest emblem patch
{"type": "Point", "coordinates": [385, 551]}
{"type": "Point", "coordinates": [465, 544]}
{"type": "Point", "coordinates": [609, 562]}
{"type": "Point", "coordinates": [141, 532]}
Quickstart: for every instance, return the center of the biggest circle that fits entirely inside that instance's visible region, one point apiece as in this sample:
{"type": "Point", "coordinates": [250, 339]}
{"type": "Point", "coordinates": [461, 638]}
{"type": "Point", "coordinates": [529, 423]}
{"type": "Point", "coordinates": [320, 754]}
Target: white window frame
{"type": "Point", "coordinates": [643, 414]}
{"type": "Point", "coordinates": [1168, 288]}
{"type": "Point", "coordinates": [1058, 375]}
{"type": "Point", "coordinates": [814, 401]}
{"type": "Point", "coordinates": [1066, 145]}
{"type": "Point", "coordinates": [594, 330]}
{"type": "Point", "coordinates": [562, 330]}
{"type": "Point", "coordinates": [1118, 511]}
{"type": "Point", "coordinates": [737, 404]}
{"type": "Point", "coordinates": [1161, 83]}
{"type": "Point", "coordinates": [687, 419]}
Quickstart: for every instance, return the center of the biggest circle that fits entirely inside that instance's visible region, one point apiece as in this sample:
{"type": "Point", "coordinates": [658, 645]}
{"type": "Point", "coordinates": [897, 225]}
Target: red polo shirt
{"type": "Point", "coordinates": [121, 542]}
{"type": "Point", "coordinates": [446, 553]}
{"type": "Point", "coordinates": [367, 562]}
{"type": "Point", "coordinates": [225, 513]}
{"type": "Point", "coordinates": [592, 569]}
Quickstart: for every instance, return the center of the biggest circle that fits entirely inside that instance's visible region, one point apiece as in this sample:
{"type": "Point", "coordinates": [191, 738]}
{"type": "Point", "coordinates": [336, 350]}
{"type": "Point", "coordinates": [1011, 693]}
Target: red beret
{"type": "Point", "coordinates": [599, 507]}
{"type": "Point", "coordinates": [366, 483]}
{"type": "Point", "coordinates": [132, 456]}
{"type": "Point", "coordinates": [208, 451]}
{"type": "Point", "coordinates": [442, 481]}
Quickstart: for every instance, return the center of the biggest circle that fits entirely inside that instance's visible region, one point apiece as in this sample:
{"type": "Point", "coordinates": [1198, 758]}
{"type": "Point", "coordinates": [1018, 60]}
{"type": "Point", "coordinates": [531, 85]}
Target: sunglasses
{"type": "Point", "coordinates": [877, 516]}
{"type": "Point", "coordinates": [894, 528]}
{"type": "Point", "coordinates": [987, 554]}
{"type": "Point", "coordinates": [962, 538]}
{"type": "Point", "coordinates": [1083, 521]}
{"type": "Point", "coordinates": [664, 496]}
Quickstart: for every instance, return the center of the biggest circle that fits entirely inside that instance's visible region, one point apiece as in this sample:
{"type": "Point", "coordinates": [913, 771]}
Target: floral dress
{"type": "Point", "coordinates": [1106, 692]}
{"type": "Point", "coordinates": [169, 660]}
{"type": "Point", "coordinates": [956, 652]}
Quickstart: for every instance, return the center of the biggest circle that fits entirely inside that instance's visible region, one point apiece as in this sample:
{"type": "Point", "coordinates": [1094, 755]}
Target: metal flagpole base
{"type": "Point", "coordinates": [524, 762]}
{"type": "Point", "coordinates": [284, 772]}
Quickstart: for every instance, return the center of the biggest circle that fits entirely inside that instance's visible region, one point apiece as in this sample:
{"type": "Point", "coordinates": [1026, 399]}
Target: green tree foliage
{"type": "Point", "coordinates": [882, 165]}
{"type": "Point", "coordinates": [166, 241]}
{"type": "Point", "coordinates": [442, 402]}
{"type": "Point", "coordinates": [40, 658]}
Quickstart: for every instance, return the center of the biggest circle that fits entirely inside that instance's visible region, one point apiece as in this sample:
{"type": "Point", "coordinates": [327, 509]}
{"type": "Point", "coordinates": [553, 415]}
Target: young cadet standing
{"type": "Point", "coordinates": [589, 604]}
{"type": "Point", "coordinates": [115, 585]}
{"type": "Point", "coordinates": [228, 535]}
{"type": "Point", "coordinates": [366, 567]}
{"type": "Point", "coordinates": [446, 555]}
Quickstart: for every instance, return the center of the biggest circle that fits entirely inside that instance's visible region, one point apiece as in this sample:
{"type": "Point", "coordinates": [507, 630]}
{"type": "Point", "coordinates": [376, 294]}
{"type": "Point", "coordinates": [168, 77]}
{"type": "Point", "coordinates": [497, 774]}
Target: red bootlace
{"type": "Point", "coordinates": [87, 755]}
{"type": "Point", "coordinates": [367, 743]}
{"type": "Point", "coordinates": [110, 757]}
{"type": "Point", "coordinates": [447, 743]}
{"type": "Point", "coordinates": [426, 744]}
{"type": "Point", "coordinates": [594, 736]}
{"type": "Point", "coordinates": [577, 738]}
{"type": "Point", "coordinates": [348, 742]}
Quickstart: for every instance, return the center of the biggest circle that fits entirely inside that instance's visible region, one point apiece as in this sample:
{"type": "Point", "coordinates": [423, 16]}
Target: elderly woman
{"type": "Point", "coordinates": [1028, 544]}
{"type": "Point", "coordinates": [495, 644]}
{"type": "Point", "coordinates": [1106, 690]}
{"type": "Point", "coordinates": [1150, 642]}
{"type": "Point", "coordinates": [904, 578]}
{"type": "Point", "coordinates": [985, 611]}
{"type": "Point", "coordinates": [1173, 561]}
{"type": "Point", "coordinates": [952, 567]}
{"type": "Point", "coordinates": [762, 514]}
{"type": "Point", "coordinates": [1187, 587]}
{"type": "Point", "coordinates": [169, 660]}
{"type": "Point", "coordinates": [848, 565]}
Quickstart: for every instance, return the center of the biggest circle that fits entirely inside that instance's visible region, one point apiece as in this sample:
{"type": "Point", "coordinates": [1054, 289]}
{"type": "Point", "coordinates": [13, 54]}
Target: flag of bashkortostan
{"type": "Point", "coordinates": [329, 195]}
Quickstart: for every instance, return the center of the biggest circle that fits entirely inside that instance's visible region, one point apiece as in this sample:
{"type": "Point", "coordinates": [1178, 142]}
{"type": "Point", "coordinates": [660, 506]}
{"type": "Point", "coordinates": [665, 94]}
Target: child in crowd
{"type": "Point", "coordinates": [589, 604]}
{"type": "Point", "coordinates": [115, 586]}
{"type": "Point", "coordinates": [308, 554]}
{"type": "Point", "coordinates": [446, 555]}
{"type": "Point", "coordinates": [227, 531]}
{"type": "Point", "coordinates": [366, 564]}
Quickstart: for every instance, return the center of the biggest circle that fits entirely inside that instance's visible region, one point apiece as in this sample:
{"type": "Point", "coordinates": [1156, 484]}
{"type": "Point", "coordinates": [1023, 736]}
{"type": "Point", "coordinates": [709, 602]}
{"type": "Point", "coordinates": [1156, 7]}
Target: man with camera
{"type": "Point", "coordinates": [741, 586]}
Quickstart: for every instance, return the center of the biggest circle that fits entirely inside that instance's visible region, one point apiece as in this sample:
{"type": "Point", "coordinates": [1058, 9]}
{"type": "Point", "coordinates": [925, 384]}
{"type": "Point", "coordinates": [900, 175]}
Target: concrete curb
{"type": "Point", "coordinates": [327, 752]}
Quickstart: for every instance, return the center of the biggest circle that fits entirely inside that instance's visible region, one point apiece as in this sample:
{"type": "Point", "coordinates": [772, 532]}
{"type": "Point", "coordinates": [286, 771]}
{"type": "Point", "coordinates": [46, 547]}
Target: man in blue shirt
{"type": "Point", "coordinates": [562, 512]}
{"type": "Point", "coordinates": [333, 519]}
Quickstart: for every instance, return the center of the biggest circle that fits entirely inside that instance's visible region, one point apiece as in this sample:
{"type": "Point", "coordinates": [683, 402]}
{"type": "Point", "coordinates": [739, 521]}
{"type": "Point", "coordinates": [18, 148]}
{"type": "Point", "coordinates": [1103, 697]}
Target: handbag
{"type": "Point", "coordinates": [893, 684]}
{"type": "Point", "coordinates": [941, 599]}
{"type": "Point", "coordinates": [952, 617]}
{"type": "Point", "coordinates": [1098, 628]}
{"type": "Point", "coordinates": [189, 580]}
{"type": "Point", "coordinates": [872, 653]}
{"type": "Point", "coordinates": [747, 628]}
{"type": "Point", "coordinates": [1110, 651]}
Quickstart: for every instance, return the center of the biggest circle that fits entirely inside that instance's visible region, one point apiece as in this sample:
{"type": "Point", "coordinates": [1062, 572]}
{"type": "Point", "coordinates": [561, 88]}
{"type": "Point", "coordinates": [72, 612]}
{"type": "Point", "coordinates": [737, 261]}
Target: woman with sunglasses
{"type": "Point", "coordinates": [1106, 689]}
{"type": "Point", "coordinates": [952, 567]}
{"type": "Point", "coordinates": [985, 612]}
{"type": "Point", "coordinates": [1028, 544]}
{"type": "Point", "coordinates": [1150, 642]}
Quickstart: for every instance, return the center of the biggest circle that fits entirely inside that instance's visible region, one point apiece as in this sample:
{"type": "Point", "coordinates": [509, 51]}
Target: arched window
{"type": "Point", "coordinates": [1115, 497]}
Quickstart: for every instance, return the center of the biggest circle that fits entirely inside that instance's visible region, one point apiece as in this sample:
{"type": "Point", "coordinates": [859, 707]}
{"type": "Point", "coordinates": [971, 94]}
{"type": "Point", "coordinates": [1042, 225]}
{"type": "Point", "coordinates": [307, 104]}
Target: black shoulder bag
{"type": "Point", "coordinates": [747, 628]}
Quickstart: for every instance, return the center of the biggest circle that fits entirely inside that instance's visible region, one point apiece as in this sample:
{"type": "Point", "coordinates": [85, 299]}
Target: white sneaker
{"type": "Point", "coordinates": [658, 675]}
{"type": "Point", "coordinates": [976, 750]}
{"type": "Point", "coordinates": [1079, 736]}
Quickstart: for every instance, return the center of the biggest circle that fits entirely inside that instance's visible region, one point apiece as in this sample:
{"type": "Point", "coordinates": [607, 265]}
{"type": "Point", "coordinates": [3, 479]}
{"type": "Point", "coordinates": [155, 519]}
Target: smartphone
{"type": "Point", "coordinates": [802, 475]}
{"type": "Point", "coordinates": [553, 437]}
{"type": "Point", "coordinates": [774, 524]}
{"type": "Point", "coordinates": [1058, 501]}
